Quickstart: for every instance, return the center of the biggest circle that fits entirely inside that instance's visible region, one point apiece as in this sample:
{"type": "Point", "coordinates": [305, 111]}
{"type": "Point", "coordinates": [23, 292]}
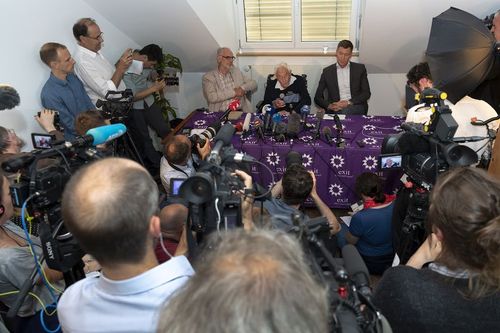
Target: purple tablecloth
{"type": "Point", "coordinates": [335, 168]}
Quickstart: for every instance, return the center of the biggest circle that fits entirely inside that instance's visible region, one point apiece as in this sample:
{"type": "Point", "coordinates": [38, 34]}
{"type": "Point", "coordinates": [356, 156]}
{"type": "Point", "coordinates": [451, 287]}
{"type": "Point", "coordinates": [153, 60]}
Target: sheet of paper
{"type": "Point", "coordinates": [135, 67]}
{"type": "Point", "coordinates": [346, 220]}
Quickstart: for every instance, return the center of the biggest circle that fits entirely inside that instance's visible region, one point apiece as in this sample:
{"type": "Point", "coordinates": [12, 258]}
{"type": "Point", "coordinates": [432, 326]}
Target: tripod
{"type": "Point", "coordinates": [124, 146]}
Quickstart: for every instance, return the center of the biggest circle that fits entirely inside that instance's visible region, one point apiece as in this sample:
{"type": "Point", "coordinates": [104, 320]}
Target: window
{"type": "Point", "coordinates": [297, 23]}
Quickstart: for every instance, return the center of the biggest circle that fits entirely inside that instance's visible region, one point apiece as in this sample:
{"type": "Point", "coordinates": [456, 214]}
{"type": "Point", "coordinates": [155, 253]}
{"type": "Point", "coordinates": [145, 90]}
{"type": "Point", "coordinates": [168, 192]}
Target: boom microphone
{"type": "Point", "coordinates": [223, 138]}
{"type": "Point", "coordinates": [98, 135]}
{"type": "Point", "coordinates": [9, 98]}
{"type": "Point", "coordinates": [327, 133]}
{"type": "Point", "coordinates": [356, 269]}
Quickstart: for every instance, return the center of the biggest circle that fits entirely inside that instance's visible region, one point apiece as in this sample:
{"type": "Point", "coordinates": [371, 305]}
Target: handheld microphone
{"type": "Point", "coordinates": [319, 117]}
{"type": "Point", "coordinates": [356, 269]}
{"type": "Point", "coordinates": [327, 133]}
{"type": "Point", "coordinates": [223, 138]}
{"type": "Point", "coordinates": [98, 135]}
{"type": "Point", "coordinates": [340, 130]}
{"type": "Point", "coordinates": [9, 98]}
{"type": "Point", "coordinates": [293, 126]}
{"type": "Point", "coordinates": [233, 106]}
{"type": "Point", "coordinates": [246, 125]}
{"type": "Point", "coordinates": [276, 121]}
{"type": "Point", "coordinates": [305, 110]}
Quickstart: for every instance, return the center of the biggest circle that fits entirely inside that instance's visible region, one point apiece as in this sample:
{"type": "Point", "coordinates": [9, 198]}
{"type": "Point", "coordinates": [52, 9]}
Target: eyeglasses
{"type": "Point", "coordinates": [98, 36]}
{"type": "Point", "coordinates": [229, 57]}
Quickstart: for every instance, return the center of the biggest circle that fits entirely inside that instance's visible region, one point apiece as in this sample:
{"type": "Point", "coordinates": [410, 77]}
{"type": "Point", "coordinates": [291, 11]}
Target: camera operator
{"type": "Point", "coordinates": [63, 91]}
{"type": "Point", "coordinates": [111, 208]}
{"type": "Point", "coordinates": [256, 281]}
{"type": "Point", "coordinates": [46, 121]}
{"type": "Point", "coordinates": [16, 261]}
{"type": "Point", "coordinates": [177, 161]}
{"type": "Point", "coordinates": [145, 112]}
{"type": "Point", "coordinates": [294, 188]}
{"type": "Point", "coordinates": [419, 78]}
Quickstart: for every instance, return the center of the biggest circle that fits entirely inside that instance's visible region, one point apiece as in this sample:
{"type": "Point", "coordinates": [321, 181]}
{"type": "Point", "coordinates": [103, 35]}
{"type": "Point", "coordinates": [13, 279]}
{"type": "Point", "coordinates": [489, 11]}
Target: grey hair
{"type": "Point", "coordinates": [282, 65]}
{"type": "Point", "coordinates": [255, 281]}
{"type": "Point", "coordinates": [221, 49]}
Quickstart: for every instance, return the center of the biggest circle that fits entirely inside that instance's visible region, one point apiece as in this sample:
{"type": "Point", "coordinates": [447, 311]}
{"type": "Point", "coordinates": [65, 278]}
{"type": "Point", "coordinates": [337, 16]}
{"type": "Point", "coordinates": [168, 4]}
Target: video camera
{"type": "Point", "coordinates": [117, 105]}
{"type": "Point", "coordinates": [427, 151]}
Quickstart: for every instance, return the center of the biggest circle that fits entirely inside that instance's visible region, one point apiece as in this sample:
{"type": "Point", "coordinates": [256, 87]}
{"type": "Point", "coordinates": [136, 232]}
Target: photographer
{"type": "Point", "coordinates": [256, 281]}
{"type": "Point", "coordinates": [145, 112]}
{"type": "Point", "coordinates": [177, 161]}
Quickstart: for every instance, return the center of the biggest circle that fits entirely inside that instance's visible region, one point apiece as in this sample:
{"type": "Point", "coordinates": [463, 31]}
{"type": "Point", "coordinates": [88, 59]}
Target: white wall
{"type": "Point", "coordinates": [25, 27]}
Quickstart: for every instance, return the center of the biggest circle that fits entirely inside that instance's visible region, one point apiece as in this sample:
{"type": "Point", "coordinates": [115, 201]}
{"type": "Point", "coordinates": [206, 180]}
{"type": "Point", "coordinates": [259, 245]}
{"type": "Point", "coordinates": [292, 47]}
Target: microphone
{"type": "Point", "coordinates": [276, 121]}
{"type": "Point", "coordinates": [293, 126]}
{"type": "Point", "coordinates": [9, 98]}
{"type": "Point", "coordinates": [246, 124]}
{"type": "Point", "coordinates": [223, 138]}
{"type": "Point", "coordinates": [327, 133]}
{"type": "Point", "coordinates": [233, 106]}
{"type": "Point", "coordinates": [319, 116]}
{"type": "Point", "coordinates": [98, 135]}
{"type": "Point", "coordinates": [305, 110]}
{"type": "Point", "coordinates": [268, 111]}
{"type": "Point", "coordinates": [258, 128]}
{"type": "Point", "coordinates": [340, 130]}
{"type": "Point", "coordinates": [279, 134]}
{"type": "Point", "coordinates": [356, 269]}
{"type": "Point", "coordinates": [16, 164]}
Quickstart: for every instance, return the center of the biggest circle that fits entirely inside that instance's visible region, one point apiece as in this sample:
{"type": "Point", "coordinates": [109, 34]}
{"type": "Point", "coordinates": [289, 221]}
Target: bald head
{"type": "Point", "coordinates": [172, 218]}
{"type": "Point", "coordinates": [178, 149]}
{"type": "Point", "coordinates": [108, 205]}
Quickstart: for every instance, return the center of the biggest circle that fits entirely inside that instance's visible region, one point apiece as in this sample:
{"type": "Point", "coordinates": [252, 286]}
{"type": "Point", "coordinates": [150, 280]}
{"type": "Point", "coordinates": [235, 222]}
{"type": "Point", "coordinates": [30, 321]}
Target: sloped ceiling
{"type": "Point", "coordinates": [172, 24]}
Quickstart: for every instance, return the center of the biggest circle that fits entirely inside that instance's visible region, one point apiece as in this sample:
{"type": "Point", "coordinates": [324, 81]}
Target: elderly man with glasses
{"type": "Point", "coordinates": [95, 71]}
{"type": "Point", "coordinates": [227, 83]}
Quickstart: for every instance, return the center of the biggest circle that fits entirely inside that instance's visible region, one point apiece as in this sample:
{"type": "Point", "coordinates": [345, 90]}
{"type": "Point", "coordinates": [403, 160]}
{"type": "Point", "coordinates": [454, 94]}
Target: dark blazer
{"type": "Point", "coordinates": [299, 86]}
{"type": "Point", "coordinates": [360, 88]}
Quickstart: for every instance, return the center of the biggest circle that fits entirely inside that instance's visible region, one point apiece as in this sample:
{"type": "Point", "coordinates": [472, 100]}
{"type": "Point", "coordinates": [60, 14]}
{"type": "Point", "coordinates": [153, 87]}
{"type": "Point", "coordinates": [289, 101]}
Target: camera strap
{"type": "Point", "coordinates": [177, 168]}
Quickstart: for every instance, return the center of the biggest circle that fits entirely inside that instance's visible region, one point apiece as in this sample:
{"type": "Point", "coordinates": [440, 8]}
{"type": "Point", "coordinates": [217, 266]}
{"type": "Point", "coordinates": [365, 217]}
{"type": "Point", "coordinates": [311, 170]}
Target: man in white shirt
{"type": "Point", "coordinates": [345, 84]}
{"type": "Point", "coordinates": [111, 208]}
{"type": "Point", "coordinates": [419, 78]}
{"type": "Point", "coordinates": [93, 69]}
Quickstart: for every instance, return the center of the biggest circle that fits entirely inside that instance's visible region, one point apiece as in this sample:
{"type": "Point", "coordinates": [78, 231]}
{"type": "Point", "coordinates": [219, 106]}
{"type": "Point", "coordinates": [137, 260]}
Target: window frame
{"type": "Point", "coordinates": [296, 43]}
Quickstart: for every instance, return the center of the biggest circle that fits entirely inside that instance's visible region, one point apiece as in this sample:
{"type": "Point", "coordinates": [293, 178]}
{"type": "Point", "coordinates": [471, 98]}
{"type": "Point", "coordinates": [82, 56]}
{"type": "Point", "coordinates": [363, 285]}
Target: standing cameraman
{"type": "Point", "coordinates": [145, 112]}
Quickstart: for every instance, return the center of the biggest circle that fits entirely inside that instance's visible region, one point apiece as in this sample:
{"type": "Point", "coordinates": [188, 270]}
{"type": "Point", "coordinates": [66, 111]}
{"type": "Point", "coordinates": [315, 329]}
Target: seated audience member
{"type": "Point", "coordinates": [419, 78]}
{"type": "Point", "coordinates": [346, 84]}
{"type": "Point", "coordinates": [95, 71]}
{"type": "Point", "coordinates": [16, 260]}
{"type": "Point", "coordinates": [145, 112]}
{"type": "Point", "coordinates": [294, 188]}
{"type": "Point", "coordinates": [370, 229]}
{"type": "Point", "coordinates": [287, 92]}
{"type": "Point", "coordinates": [255, 281]}
{"type": "Point", "coordinates": [111, 208]}
{"type": "Point", "coordinates": [177, 161]}
{"type": "Point", "coordinates": [172, 220]}
{"type": "Point", "coordinates": [460, 290]}
{"type": "Point", "coordinates": [226, 83]}
{"type": "Point", "coordinates": [63, 91]}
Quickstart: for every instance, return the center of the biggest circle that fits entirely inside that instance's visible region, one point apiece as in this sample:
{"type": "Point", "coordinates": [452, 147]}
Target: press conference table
{"type": "Point", "coordinates": [335, 168]}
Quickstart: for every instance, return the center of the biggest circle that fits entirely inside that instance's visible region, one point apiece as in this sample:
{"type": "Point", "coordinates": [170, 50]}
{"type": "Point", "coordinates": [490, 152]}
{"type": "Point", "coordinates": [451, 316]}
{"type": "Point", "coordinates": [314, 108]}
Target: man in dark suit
{"type": "Point", "coordinates": [346, 84]}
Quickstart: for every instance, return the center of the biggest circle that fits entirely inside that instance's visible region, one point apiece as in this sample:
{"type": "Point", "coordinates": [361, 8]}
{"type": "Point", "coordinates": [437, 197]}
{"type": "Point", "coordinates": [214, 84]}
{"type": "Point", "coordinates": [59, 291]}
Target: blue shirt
{"type": "Point", "coordinates": [373, 227]}
{"type": "Point", "coordinates": [69, 98]}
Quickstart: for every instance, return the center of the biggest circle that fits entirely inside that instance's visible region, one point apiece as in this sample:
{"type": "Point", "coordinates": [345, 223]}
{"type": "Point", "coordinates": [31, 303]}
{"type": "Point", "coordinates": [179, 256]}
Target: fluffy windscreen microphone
{"type": "Point", "coordinates": [9, 98]}
{"type": "Point", "coordinates": [319, 117]}
{"type": "Point", "coordinates": [279, 133]}
{"type": "Point", "coordinates": [293, 126]}
{"type": "Point", "coordinates": [327, 133]}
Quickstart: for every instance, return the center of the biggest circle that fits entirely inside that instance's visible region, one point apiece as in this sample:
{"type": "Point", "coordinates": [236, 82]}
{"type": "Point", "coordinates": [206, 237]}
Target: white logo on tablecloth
{"type": "Point", "coordinates": [306, 138]}
{"type": "Point", "coordinates": [397, 128]}
{"type": "Point", "coordinates": [367, 117]}
{"type": "Point", "coordinates": [200, 122]}
{"type": "Point", "coordinates": [397, 117]}
{"type": "Point", "coordinates": [370, 162]}
{"type": "Point", "coordinates": [273, 158]}
{"type": "Point", "coordinates": [337, 161]}
{"type": "Point", "coordinates": [370, 141]}
{"type": "Point", "coordinates": [308, 161]}
{"type": "Point", "coordinates": [335, 190]}
{"type": "Point", "coordinates": [368, 127]}
{"type": "Point", "coordinates": [208, 112]}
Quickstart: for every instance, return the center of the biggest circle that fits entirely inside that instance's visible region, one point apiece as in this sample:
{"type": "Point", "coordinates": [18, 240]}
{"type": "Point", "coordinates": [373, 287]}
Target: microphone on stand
{"type": "Point", "coordinates": [279, 133]}
{"type": "Point", "coordinates": [293, 126]}
{"type": "Point", "coordinates": [319, 116]}
{"type": "Point", "coordinates": [327, 133]}
{"type": "Point", "coordinates": [246, 125]}
{"type": "Point", "coordinates": [258, 128]}
{"type": "Point", "coordinates": [305, 110]}
{"type": "Point", "coordinates": [268, 112]}
{"type": "Point", "coordinates": [340, 131]}
{"type": "Point", "coordinates": [276, 121]}
{"type": "Point", "coordinates": [233, 106]}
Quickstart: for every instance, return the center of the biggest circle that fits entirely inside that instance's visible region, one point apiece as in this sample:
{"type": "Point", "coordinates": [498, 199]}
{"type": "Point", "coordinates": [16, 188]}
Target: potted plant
{"type": "Point", "coordinates": [168, 69]}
